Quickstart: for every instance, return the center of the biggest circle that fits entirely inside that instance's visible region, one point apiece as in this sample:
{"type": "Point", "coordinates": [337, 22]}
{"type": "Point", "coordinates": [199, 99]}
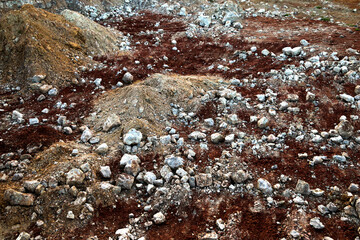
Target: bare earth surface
{"type": "Point", "coordinates": [181, 120]}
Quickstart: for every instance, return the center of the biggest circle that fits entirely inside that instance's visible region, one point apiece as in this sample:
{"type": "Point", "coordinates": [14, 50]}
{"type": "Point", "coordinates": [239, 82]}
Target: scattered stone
{"type": "Point", "coordinates": [197, 135]}
{"type": "Point", "coordinates": [111, 122]}
{"type": "Point", "coordinates": [18, 198]}
{"type": "Point", "coordinates": [23, 236]}
{"type": "Point", "coordinates": [75, 177]}
{"type": "Point", "coordinates": [217, 138]}
{"type": "Point", "coordinates": [302, 187]}
{"type": "Point", "coordinates": [159, 218]}
{"type": "Point", "coordinates": [102, 149]}
{"type": "Point", "coordinates": [174, 162]}
{"type": "Point", "coordinates": [264, 186]}
{"type": "Point", "coordinates": [263, 122]}
{"type": "Point", "coordinates": [345, 129]}
{"type": "Point", "coordinates": [133, 137]}
{"type": "Point", "coordinates": [315, 223]}
{"type": "Point", "coordinates": [203, 179]}
{"type": "Point", "coordinates": [105, 171]}
{"type": "Point", "coordinates": [125, 181]}
{"type": "Point", "coordinates": [70, 215]}
{"type": "Point", "coordinates": [128, 78]}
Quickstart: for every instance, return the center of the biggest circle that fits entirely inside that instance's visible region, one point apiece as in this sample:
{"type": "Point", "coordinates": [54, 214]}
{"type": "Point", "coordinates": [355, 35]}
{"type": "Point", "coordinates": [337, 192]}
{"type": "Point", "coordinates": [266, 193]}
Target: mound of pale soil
{"type": "Point", "coordinates": [34, 42]}
{"type": "Point", "coordinates": [145, 105]}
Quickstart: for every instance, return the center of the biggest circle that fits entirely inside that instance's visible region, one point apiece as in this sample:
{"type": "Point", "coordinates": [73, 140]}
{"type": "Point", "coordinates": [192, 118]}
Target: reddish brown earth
{"type": "Point", "coordinates": [194, 57]}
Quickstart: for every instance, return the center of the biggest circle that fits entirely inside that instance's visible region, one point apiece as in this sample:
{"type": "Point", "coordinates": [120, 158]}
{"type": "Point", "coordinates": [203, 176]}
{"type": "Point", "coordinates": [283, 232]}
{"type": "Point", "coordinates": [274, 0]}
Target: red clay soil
{"type": "Point", "coordinates": [320, 33]}
{"type": "Point", "coordinates": [106, 221]}
{"type": "Point", "coordinates": [25, 138]}
{"type": "Point", "coordinates": [200, 213]}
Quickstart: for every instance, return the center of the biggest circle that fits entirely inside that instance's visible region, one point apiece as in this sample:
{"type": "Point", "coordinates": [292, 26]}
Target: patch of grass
{"type": "Point", "coordinates": [325, 19]}
{"type": "Point", "coordinates": [319, 7]}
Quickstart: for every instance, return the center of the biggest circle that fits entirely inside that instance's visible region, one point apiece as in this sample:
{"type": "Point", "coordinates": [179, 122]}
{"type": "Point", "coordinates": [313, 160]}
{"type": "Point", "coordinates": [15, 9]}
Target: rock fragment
{"type": "Point", "coordinates": [159, 218]}
{"type": "Point", "coordinates": [133, 137]}
{"type": "Point", "coordinates": [18, 198]}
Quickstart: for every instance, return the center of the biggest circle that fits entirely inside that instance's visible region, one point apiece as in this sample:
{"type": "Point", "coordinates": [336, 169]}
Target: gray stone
{"type": "Point", "coordinates": [197, 135]}
{"type": "Point", "coordinates": [105, 171]}
{"type": "Point", "coordinates": [354, 188]}
{"type": "Point", "coordinates": [204, 21]}
{"type": "Point", "coordinates": [203, 179]}
{"type": "Point", "coordinates": [111, 122]}
{"type": "Point", "coordinates": [23, 236]}
{"type": "Point", "coordinates": [264, 186]}
{"type": "Point", "coordinates": [86, 135]}
{"type": "Point", "coordinates": [17, 116]}
{"type": "Point", "coordinates": [302, 187]}
{"type": "Point", "coordinates": [133, 137]}
{"type": "Point", "coordinates": [174, 162]}
{"type": "Point", "coordinates": [125, 181]}
{"type": "Point", "coordinates": [34, 121]}
{"type": "Point", "coordinates": [18, 198]}
{"type": "Point", "coordinates": [315, 223]}
{"type": "Point", "coordinates": [149, 177]}
{"type": "Point", "coordinates": [128, 78]}
{"type": "Point", "coordinates": [75, 177]}
{"type": "Point", "coordinates": [159, 218]}
{"type": "Point", "coordinates": [30, 186]}
{"type": "Point", "coordinates": [102, 149]}
{"type": "Point", "coordinates": [217, 138]}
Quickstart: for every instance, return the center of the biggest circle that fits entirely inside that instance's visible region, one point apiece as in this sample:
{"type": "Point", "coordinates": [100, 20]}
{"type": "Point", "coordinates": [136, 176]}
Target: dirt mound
{"type": "Point", "coordinates": [37, 43]}
{"type": "Point", "coordinates": [100, 40]}
{"type": "Point", "coordinates": [145, 105]}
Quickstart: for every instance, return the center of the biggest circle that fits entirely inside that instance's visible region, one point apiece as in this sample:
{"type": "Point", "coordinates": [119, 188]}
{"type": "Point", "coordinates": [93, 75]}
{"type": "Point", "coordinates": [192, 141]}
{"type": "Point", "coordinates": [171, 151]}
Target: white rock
{"type": "Point", "coordinates": [159, 218]}
{"type": "Point", "coordinates": [315, 223]}
{"type": "Point", "coordinates": [264, 186]}
{"type": "Point", "coordinates": [105, 171]}
{"type": "Point", "coordinates": [102, 149]}
{"type": "Point", "coordinates": [263, 122]}
{"type": "Point", "coordinates": [86, 135]}
{"type": "Point", "coordinates": [128, 78]}
{"type": "Point", "coordinates": [347, 98]}
{"type": "Point", "coordinates": [70, 215]}
{"type": "Point", "coordinates": [265, 52]}
{"type": "Point", "coordinates": [133, 137]}
{"type": "Point", "coordinates": [204, 21]}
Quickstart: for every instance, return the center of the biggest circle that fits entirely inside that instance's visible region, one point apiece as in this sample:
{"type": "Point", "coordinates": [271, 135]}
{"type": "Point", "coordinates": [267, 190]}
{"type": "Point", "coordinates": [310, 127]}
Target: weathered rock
{"type": "Point", "coordinates": [23, 236]}
{"type": "Point", "coordinates": [133, 137]}
{"type": "Point", "coordinates": [128, 78]}
{"type": "Point", "coordinates": [125, 181]}
{"type": "Point", "coordinates": [208, 236]}
{"type": "Point", "coordinates": [30, 186]}
{"type": "Point", "coordinates": [149, 177]}
{"type": "Point", "coordinates": [132, 168]}
{"type": "Point", "coordinates": [102, 149]}
{"type": "Point", "coordinates": [174, 162]}
{"type": "Point", "coordinates": [111, 122]}
{"type": "Point", "coordinates": [203, 179]}
{"type": "Point", "coordinates": [159, 218]}
{"type": "Point", "coordinates": [105, 171]}
{"type": "Point", "coordinates": [239, 176]}
{"type": "Point", "coordinates": [18, 198]}
{"type": "Point", "coordinates": [345, 129]}
{"type": "Point", "coordinates": [75, 177]}
{"type": "Point", "coordinates": [217, 138]}
{"type": "Point", "coordinates": [263, 122]}
{"type": "Point", "coordinates": [302, 187]}
{"type": "Point", "coordinates": [264, 186]}
{"type": "Point", "coordinates": [86, 135]}
{"type": "Point", "coordinates": [315, 223]}
{"type": "Point", "coordinates": [197, 135]}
